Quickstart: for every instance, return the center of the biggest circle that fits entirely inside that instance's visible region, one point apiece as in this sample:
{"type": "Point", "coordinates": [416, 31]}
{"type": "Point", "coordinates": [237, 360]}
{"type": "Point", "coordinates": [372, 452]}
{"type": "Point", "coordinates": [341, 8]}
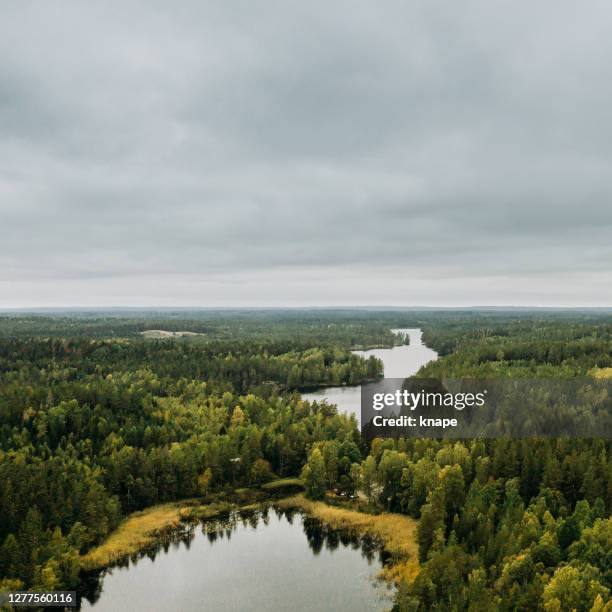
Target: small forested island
{"type": "Point", "coordinates": [112, 437]}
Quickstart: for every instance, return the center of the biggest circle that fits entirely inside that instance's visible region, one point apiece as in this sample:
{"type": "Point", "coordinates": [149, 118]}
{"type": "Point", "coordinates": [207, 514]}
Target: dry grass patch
{"type": "Point", "coordinates": [396, 531]}
{"type": "Point", "coordinates": [133, 535]}
{"type": "Point", "coordinates": [143, 529]}
{"type": "Point", "coordinates": [601, 372]}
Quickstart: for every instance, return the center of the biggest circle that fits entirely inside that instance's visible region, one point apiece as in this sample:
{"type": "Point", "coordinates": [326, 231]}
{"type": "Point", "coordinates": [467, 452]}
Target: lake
{"type": "Point", "coordinates": [255, 561]}
{"type": "Point", "coordinates": [399, 362]}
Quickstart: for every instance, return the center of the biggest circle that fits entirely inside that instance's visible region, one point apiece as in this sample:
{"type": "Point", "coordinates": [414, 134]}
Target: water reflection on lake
{"type": "Point", "coordinates": [257, 560]}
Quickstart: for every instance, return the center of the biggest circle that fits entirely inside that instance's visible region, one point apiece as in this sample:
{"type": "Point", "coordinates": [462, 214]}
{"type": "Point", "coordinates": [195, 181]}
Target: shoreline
{"type": "Point", "coordinates": [146, 528]}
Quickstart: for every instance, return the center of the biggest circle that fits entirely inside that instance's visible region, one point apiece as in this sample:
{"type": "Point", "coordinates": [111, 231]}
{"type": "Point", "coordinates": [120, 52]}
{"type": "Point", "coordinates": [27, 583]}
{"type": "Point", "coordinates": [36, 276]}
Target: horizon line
{"type": "Point", "coordinates": [305, 307]}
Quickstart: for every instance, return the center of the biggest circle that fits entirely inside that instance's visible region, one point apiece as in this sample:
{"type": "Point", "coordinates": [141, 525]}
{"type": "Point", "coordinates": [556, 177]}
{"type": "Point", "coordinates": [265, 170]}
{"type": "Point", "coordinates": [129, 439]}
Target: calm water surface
{"type": "Point", "coordinates": [251, 561]}
{"type": "Point", "coordinates": [399, 362]}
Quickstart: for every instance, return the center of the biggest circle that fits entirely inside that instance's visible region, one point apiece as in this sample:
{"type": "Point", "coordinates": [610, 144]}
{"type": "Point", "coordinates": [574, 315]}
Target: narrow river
{"type": "Point", "coordinates": [399, 362]}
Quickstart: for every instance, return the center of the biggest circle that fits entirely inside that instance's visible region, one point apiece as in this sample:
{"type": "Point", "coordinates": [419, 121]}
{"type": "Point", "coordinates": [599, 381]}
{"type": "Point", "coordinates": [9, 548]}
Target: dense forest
{"type": "Point", "coordinates": [96, 422]}
{"type": "Point", "coordinates": [302, 328]}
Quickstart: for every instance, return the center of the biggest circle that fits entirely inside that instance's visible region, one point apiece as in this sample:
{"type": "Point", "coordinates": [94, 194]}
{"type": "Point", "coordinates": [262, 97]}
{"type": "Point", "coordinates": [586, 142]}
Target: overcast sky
{"type": "Point", "coordinates": [305, 153]}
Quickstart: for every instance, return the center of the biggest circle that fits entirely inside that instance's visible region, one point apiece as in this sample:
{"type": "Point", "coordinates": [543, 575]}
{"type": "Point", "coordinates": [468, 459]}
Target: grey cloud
{"type": "Point", "coordinates": [280, 140]}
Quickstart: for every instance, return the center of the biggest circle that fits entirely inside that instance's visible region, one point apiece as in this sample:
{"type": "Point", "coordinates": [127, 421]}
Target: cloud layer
{"type": "Point", "coordinates": [217, 153]}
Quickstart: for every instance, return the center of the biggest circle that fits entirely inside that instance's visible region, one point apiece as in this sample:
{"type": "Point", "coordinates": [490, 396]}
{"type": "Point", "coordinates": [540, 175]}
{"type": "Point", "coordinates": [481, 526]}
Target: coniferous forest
{"type": "Point", "coordinates": [98, 421]}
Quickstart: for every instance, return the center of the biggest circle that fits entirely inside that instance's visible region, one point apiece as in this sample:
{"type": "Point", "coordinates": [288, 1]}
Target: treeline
{"type": "Point", "coordinates": [578, 340]}
{"type": "Point", "coordinates": [37, 366]}
{"type": "Point", "coordinates": [353, 329]}
{"type": "Point", "coordinates": [348, 328]}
